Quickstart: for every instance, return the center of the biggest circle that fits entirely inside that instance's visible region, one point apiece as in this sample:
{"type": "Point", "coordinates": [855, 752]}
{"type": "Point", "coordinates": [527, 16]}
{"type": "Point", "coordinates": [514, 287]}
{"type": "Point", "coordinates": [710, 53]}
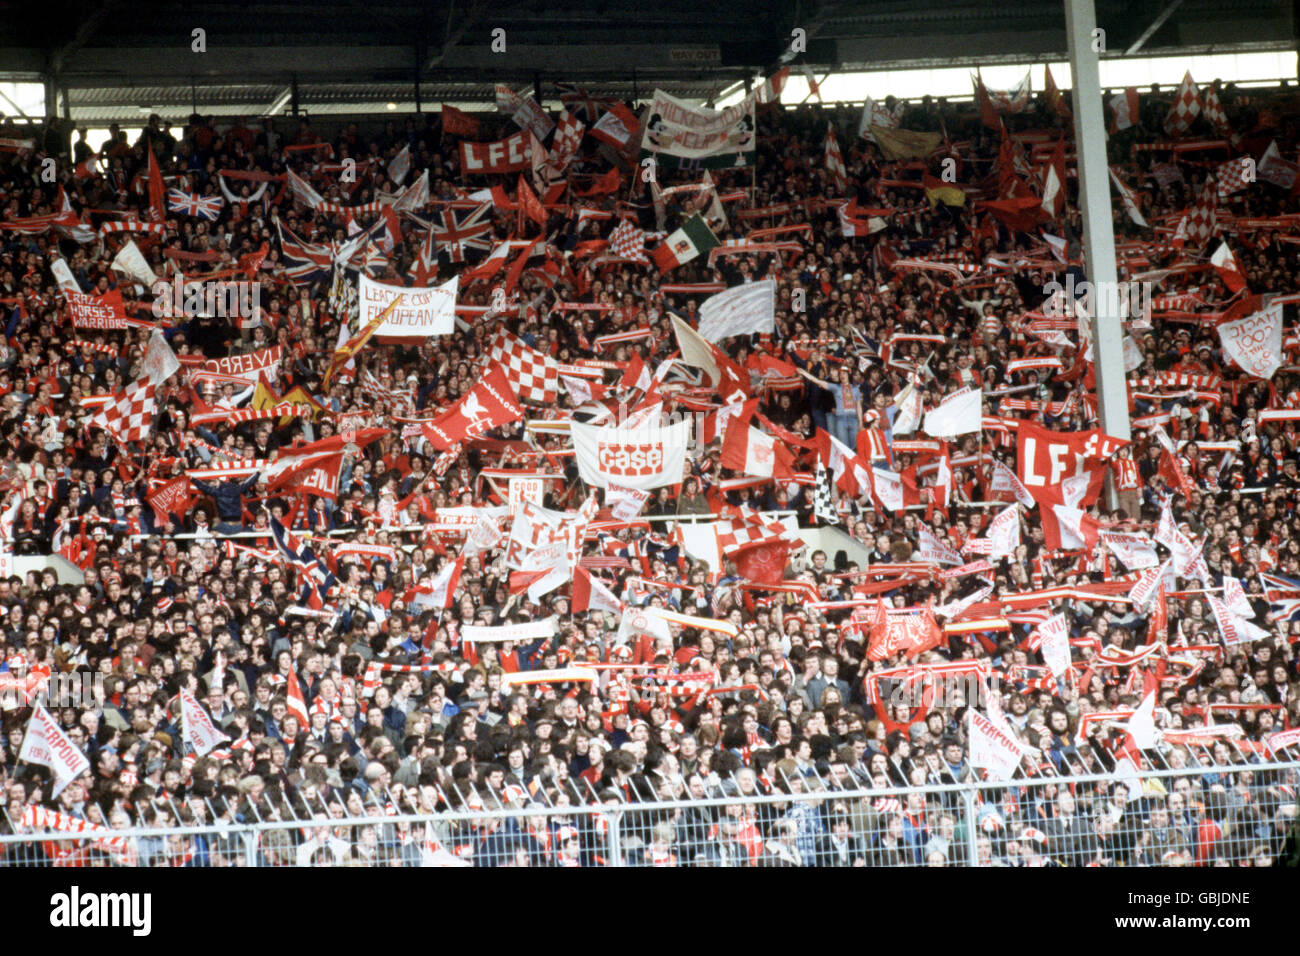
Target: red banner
{"type": "Point", "coordinates": [97, 311]}
{"type": "Point", "coordinates": [490, 403]}
{"type": "Point", "coordinates": [504, 156]}
{"type": "Point", "coordinates": [1047, 457]}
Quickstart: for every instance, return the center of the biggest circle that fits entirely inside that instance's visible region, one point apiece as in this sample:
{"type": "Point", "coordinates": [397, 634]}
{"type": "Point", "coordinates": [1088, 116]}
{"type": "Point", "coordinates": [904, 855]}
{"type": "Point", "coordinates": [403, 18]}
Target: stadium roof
{"type": "Point", "coordinates": [117, 59]}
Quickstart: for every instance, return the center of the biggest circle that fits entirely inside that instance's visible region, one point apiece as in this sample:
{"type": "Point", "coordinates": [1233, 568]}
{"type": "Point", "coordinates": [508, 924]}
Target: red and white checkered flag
{"type": "Point", "coordinates": [568, 134]}
{"type": "Point", "coordinates": [835, 162]}
{"type": "Point", "coordinates": [1186, 107]}
{"type": "Point", "coordinates": [1232, 175]}
{"type": "Point", "coordinates": [1200, 220]}
{"type": "Point", "coordinates": [1214, 113]}
{"type": "Point", "coordinates": [628, 242]}
{"type": "Point", "coordinates": [534, 377]}
{"type": "Point", "coordinates": [129, 417]}
{"type": "Point", "coordinates": [742, 528]}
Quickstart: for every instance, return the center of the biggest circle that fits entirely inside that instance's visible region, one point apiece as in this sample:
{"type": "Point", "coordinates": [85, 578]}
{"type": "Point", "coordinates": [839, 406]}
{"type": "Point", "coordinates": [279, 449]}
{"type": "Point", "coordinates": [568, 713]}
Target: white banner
{"type": "Point", "coordinates": [419, 313]}
{"type": "Point", "coordinates": [959, 414]}
{"type": "Point", "coordinates": [643, 458]}
{"type": "Point", "coordinates": [741, 310]}
{"type": "Point", "coordinates": [47, 745]}
{"type": "Point", "coordinates": [889, 488]}
{"type": "Point", "coordinates": [528, 631]}
{"type": "Point", "coordinates": [533, 527]}
{"type": "Point", "coordinates": [934, 549]}
{"type": "Point", "coordinates": [64, 277]}
{"type": "Point", "coordinates": [526, 489]}
{"type": "Point", "coordinates": [991, 749]}
{"type": "Point", "coordinates": [1137, 551]}
{"type": "Point", "coordinates": [1255, 342]}
{"type": "Point", "coordinates": [525, 111]}
{"type": "Point", "coordinates": [1004, 479]}
{"type": "Point", "coordinates": [200, 732]}
{"type": "Point", "coordinates": [1054, 637]}
{"type": "Point", "coordinates": [1004, 532]}
{"type": "Point", "coordinates": [676, 128]}
{"type": "Point", "coordinates": [625, 503]}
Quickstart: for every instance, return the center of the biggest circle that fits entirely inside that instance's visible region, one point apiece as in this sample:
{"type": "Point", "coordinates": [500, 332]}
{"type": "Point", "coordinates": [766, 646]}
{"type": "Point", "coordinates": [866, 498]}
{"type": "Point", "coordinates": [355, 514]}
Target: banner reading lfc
{"type": "Point", "coordinates": [680, 136]}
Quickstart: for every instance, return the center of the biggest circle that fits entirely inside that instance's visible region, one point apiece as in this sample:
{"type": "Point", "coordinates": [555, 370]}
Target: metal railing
{"type": "Point", "coordinates": [1233, 815]}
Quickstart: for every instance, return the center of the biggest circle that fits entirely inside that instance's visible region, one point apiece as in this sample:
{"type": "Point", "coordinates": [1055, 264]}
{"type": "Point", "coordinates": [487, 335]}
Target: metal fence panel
{"type": "Point", "coordinates": [1242, 815]}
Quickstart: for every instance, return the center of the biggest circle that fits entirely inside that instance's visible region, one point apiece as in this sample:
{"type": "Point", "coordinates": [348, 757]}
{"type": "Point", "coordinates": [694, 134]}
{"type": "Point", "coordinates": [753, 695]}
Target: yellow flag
{"type": "Point", "coordinates": [352, 346]}
{"type": "Point", "coordinates": [896, 144]}
{"type": "Point", "coordinates": [263, 397]}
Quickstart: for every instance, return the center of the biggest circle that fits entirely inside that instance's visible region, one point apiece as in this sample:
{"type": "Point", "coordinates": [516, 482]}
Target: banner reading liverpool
{"type": "Point", "coordinates": [643, 458]}
{"type": "Point", "coordinates": [419, 314]}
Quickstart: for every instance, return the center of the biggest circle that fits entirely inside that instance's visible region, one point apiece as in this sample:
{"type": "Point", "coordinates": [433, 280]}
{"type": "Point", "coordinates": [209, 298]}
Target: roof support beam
{"type": "Point", "coordinates": [1156, 24]}
{"type": "Point", "coordinates": [1098, 229]}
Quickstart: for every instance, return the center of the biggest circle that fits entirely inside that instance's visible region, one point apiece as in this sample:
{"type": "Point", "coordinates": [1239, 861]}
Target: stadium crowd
{"type": "Point", "coordinates": [402, 716]}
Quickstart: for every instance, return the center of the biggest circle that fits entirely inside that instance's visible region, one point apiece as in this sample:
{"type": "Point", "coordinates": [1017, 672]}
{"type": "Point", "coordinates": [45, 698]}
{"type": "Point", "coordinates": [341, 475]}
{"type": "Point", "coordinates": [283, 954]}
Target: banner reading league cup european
{"type": "Point", "coordinates": [419, 313]}
{"type": "Point", "coordinates": [682, 137]}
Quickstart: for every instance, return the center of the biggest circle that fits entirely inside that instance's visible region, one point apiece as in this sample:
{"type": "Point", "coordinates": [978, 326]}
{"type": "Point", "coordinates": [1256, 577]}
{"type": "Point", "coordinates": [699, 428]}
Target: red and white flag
{"type": "Point", "coordinates": [1078, 529]}
{"type": "Point", "coordinates": [171, 498]}
{"type": "Point", "coordinates": [1004, 532]}
{"type": "Point", "coordinates": [1125, 106]}
{"type": "Point", "coordinates": [1129, 199]}
{"type": "Point", "coordinates": [1272, 168]}
{"type": "Point", "coordinates": [887, 486]}
{"type": "Point", "coordinates": [489, 404]}
{"type": "Point", "coordinates": [47, 745]}
{"type": "Point", "coordinates": [296, 703]}
{"type": "Point", "coordinates": [533, 376]}
{"type": "Point", "coordinates": [1186, 107]}
{"type": "Point", "coordinates": [1234, 175]}
{"type": "Point", "coordinates": [1054, 180]}
{"type": "Point", "coordinates": [200, 732]}
{"type": "Point", "coordinates": [625, 503]}
{"type": "Point", "coordinates": [616, 127]}
{"type": "Point", "coordinates": [752, 452]}
{"type": "Point", "coordinates": [400, 165]}
{"type": "Point", "coordinates": [850, 471]}
{"type": "Point", "coordinates": [835, 170]}
{"type": "Point", "coordinates": [437, 594]}
{"type": "Point", "coordinates": [1228, 268]}
{"type": "Point", "coordinates": [590, 595]}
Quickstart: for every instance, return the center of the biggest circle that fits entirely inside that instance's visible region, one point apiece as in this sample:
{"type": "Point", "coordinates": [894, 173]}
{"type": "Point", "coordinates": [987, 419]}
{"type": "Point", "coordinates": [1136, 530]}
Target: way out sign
{"type": "Point", "coordinates": [525, 489]}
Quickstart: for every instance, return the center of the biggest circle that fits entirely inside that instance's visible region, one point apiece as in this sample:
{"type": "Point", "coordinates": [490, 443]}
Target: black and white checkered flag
{"type": "Point", "coordinates": [823, 505]}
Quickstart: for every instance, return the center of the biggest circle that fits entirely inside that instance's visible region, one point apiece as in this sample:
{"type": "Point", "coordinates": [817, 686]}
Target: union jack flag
{"type": "Point", "coordinates": [1283, 594]}
{"type": "Point", "coordinates": [305, 262]}
{"type": "Point", "coordinates": [187, 204]}
{"type": "Point", "coordinates": [455, 234]}
{"type": "Point", "coordinates": [581, 104]}
{"type": "Point", "coordinates": [317, 577]}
